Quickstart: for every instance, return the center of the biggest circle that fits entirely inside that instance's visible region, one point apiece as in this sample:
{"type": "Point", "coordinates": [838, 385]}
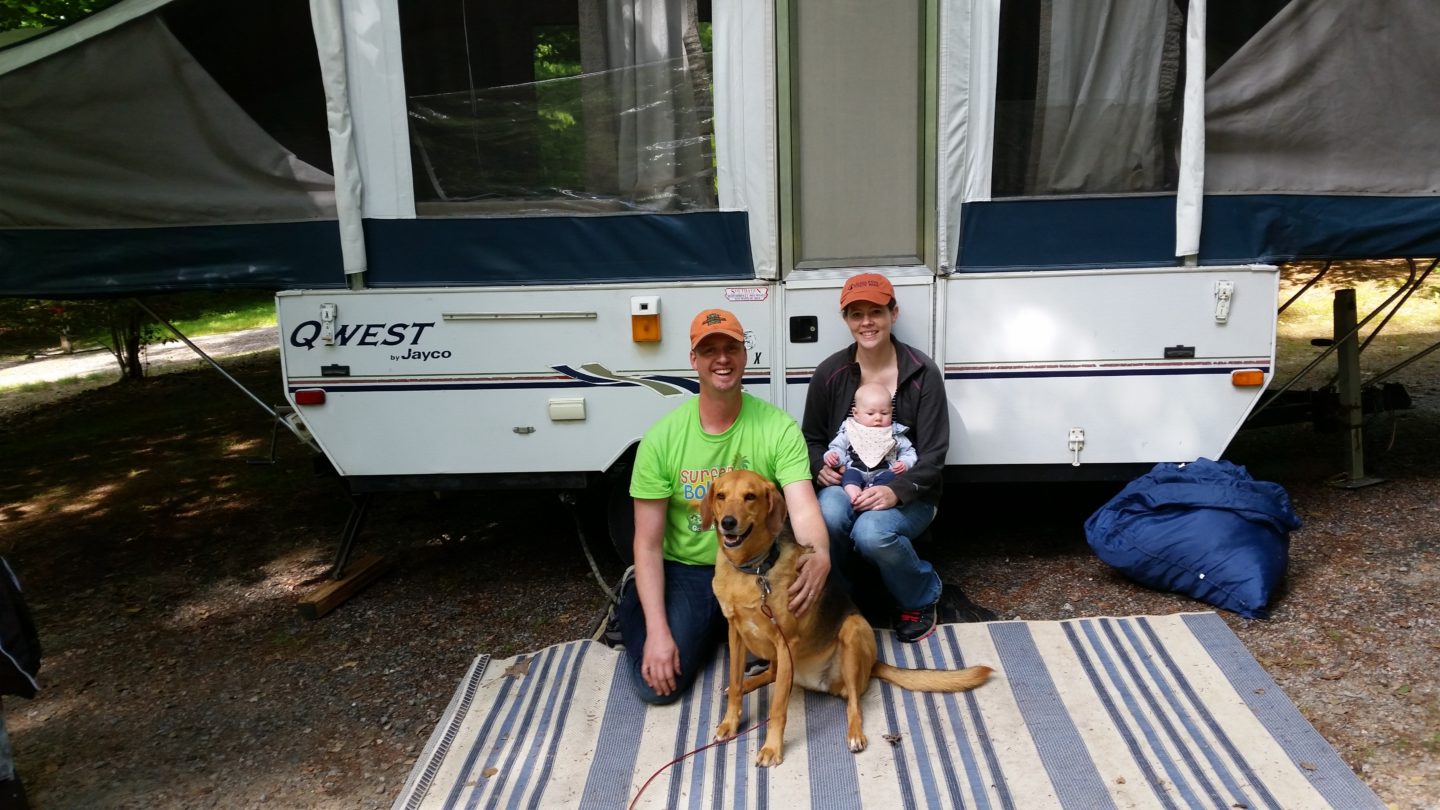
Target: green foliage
{"type": "Point", "coordinates": [561, 138]}
{"type": "Point", "coordinates": [46, 13]}
{"type": "Point", "coordinates": [557, 52]}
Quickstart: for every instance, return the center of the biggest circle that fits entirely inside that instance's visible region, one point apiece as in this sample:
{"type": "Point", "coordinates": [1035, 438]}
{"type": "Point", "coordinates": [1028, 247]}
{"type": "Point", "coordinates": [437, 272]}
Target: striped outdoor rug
{"type": "Point", "coordinates": [1146, 711]}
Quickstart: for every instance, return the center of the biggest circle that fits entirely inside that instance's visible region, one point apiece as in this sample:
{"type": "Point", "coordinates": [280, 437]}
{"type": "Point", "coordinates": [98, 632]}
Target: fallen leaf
{"type": "Point", "coordinates": [518, 669]}
{"type": "Point", "coordinates": [489, 772]}
{"type": "Point", "coordinates": [893, 739]}
{"type": "Point", "coordinates": [1119, 780]}
{"type": "Point", "coordinates": [1309, 766]}
{"type": "Point", "coordinates": [346, 665]}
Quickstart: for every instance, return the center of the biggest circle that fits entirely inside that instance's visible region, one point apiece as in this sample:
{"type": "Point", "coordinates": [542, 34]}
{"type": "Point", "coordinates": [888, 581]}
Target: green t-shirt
{"type": "Point", "coordinates": [677, 460]}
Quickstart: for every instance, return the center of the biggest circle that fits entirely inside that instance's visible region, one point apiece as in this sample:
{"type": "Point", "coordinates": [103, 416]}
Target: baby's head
{"type": "Point", "coordinates": [872, 405]}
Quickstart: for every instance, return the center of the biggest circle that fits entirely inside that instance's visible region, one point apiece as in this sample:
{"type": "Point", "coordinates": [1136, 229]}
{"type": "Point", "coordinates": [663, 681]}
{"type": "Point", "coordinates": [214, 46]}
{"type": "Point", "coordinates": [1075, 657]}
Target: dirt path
{"type": "Point", "coordinates": [95, 368]}
{"type": "Point", "coordinates": [57, 367]}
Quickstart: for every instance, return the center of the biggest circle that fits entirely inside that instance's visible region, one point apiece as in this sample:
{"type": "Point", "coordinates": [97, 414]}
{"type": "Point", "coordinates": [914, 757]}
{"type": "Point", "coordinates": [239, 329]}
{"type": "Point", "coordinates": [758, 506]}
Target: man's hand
{"type": "Point", "coordinates": [898, 467]}
{"type": "Point", "coordinates": [828, 476]}
{"type": "Point", "coordinates": [660, 663]}
{"type": "Point", "coordinates": [876, 498]}
{"type": "Point", "coordinates": [812, 569]}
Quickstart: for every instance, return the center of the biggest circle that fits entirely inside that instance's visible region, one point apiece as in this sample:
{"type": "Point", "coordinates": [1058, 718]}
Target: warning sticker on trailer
{"type": "Point", "coordinates": [747, 293]}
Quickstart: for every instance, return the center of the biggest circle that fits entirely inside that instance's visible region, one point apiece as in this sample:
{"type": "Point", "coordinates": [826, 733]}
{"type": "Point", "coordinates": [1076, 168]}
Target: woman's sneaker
{"type": "Point", "coordinates": [915, 625]}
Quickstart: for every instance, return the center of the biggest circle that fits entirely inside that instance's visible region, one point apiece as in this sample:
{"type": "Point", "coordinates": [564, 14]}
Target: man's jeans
{"type": "Point", "coordinates": [883, 538]}
{"type": "Point", "coordinates": [696, 624]}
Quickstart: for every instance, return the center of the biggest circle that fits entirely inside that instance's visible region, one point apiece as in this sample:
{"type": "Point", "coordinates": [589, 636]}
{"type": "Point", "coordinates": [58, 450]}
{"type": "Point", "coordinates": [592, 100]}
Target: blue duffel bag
{"type": "Point", "coordinates": [1205, 529]}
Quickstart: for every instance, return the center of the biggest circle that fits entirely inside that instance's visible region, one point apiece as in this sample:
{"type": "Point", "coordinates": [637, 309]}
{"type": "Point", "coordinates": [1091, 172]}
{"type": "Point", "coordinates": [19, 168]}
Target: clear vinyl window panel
{"type": "Point", "coordinates": [1088, 97]}
{"type": "Point", "coordinates": [569, 106]}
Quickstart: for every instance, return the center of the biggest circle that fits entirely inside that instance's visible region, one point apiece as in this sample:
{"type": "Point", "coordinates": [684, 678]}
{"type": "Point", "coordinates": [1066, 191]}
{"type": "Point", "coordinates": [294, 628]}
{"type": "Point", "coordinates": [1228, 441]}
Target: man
{"type": "Point", "coordinates": [669, 620]}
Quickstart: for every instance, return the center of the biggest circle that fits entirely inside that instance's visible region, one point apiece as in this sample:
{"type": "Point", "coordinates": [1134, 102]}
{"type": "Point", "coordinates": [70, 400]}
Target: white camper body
{"type": "Point", "coordinates": [465, 202]}
{"type": "Point", "coordinates": [548, 379]}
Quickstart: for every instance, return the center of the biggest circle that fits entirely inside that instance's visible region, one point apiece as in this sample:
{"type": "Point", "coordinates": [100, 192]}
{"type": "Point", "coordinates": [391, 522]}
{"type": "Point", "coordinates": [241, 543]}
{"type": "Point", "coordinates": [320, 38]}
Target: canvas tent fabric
{"type": "Point", "coordinates": [124, 167]}
{"type": "Point", "coordinates": [129, 131]}
{"type": "Point", "coordinates": [1331, 97]}
{"type": "Point", "coordinates": [1317, 143]}
{"type": "Point", "coordinates": [1320, 136]}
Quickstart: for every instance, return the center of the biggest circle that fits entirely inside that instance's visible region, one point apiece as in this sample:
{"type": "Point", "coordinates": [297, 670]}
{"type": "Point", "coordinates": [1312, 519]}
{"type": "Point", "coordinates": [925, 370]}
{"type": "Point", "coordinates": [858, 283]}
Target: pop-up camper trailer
{"type": "Point", "coordinates": [491, 220]}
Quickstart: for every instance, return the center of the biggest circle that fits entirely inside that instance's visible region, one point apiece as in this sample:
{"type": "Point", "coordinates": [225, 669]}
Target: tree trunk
{"type": "Point", "coordinates": [133, 369]}
{"type": "Point", "coordinates": [125, 343]}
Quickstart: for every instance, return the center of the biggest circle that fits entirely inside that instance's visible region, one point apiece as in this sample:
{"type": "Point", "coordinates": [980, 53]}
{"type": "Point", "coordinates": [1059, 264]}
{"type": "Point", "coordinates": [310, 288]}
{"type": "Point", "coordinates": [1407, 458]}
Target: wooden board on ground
{"type": "Point", "coordinates": [330, 594]}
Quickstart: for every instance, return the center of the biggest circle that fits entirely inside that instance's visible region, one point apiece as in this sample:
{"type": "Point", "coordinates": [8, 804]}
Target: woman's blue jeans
{"type": "Point", "coordinates": [882, 538]}
{"type": "Point", "coordinates": [696, 624]}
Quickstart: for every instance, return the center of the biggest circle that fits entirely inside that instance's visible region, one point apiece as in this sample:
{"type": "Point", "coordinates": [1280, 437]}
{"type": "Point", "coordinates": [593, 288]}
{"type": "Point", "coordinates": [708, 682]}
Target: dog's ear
{"type": "Point", "coordinates": [775, 519]}
{"type": "Point", "coordinates": [707, 507]}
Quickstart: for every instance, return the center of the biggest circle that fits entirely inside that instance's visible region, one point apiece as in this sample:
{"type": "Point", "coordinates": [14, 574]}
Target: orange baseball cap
{"type": "Point", "coordinates": [871, 287]}
{"type": "Point", "coordinates": [715, 322]}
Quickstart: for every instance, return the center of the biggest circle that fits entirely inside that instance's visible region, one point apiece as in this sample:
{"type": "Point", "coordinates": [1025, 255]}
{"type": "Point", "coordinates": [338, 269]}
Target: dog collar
{"type": "Point", "coordinates": [761, 565]}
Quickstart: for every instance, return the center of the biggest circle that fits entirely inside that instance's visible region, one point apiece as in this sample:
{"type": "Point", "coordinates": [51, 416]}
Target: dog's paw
{"type": "Point", "coordinates": [858, 742]}
{"type": "Point", "coordinates": [726, 729]}
{"type": "Point", "coordinates": [769, 756]}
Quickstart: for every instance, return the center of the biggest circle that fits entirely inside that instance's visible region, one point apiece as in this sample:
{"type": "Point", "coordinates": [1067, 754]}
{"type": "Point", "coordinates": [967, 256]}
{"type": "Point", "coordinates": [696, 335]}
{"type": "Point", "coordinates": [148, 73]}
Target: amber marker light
{"type": "Point", "coordinates": [645, 318]}
{"type": "Point", "coordinates": [1247, 377]}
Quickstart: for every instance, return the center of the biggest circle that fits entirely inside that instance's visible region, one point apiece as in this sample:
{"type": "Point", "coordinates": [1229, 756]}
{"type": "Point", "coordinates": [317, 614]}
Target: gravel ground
{"type": "Point", "coordinates": [164, 571]}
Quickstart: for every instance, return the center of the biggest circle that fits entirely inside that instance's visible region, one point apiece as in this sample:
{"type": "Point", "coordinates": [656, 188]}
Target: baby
{"type": "Point", "coordinates": [869, 445]}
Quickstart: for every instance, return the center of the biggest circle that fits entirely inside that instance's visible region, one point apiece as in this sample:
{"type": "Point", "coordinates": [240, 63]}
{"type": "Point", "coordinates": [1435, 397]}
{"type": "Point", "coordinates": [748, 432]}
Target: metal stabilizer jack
{"type": "Point", "coordinates": [1347, 385]}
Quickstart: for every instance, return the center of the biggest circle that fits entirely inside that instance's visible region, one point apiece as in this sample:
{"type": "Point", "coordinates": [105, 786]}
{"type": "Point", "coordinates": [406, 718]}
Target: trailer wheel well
{"type": "Point", "coordinates": [608, 509]}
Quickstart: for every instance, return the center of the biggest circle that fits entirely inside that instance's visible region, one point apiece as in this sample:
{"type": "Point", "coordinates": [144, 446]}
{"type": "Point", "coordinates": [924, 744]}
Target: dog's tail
{"type": "Point", "coordinates": [932, 680]}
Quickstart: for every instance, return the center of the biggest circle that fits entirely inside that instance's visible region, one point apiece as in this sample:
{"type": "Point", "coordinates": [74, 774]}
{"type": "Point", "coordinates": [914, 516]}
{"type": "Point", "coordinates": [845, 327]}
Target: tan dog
{"type": "Point", "coordinates": [829, 649]}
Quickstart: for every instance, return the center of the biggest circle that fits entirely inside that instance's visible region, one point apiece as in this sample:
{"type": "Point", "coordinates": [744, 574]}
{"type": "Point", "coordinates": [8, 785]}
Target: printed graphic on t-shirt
{"type": "Point", "coordinates": [694, 483]}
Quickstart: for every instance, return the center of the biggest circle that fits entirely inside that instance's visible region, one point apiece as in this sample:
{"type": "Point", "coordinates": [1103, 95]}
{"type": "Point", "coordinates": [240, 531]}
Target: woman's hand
{"type": "Point", "coordinates": [875, 498]}
{"type": "Point", "coordinates": [828, 476]}
{"type": "Point", "coordinates": [660, 663]}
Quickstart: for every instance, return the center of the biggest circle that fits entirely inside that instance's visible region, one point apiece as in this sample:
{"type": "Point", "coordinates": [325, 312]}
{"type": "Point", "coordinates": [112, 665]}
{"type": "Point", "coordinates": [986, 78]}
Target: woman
{"type": "Point", "coordinates": [882, 521]}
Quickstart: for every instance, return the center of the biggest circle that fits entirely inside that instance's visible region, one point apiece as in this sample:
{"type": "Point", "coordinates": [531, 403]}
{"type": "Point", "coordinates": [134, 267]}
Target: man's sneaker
{"type": "Point", "coordinates": [915, 625]}
{"type": "Point", "coordinates": [609, 630]}
{"type": "Point", "coordinates": [625, 579]}
{"type": "Point", "coordinates": [608, 633]}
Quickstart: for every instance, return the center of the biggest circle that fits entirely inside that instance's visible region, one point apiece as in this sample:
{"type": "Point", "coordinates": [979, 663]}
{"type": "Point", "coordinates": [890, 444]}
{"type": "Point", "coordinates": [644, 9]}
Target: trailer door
{"type": "Point", "coordinates": [857, 160]}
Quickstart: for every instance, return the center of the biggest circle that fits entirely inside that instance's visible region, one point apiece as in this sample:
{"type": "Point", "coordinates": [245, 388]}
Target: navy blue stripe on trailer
{"type": "Point", "coordinates": [1240, 228]}
{"type": "Point", "coordinates": [1095, 372]}
{"type": "Point", "coordinates": [94, 262]}
{"type": "Point", "coordinates": [1086, 233]}
{"type": "Point", "coordinates": [1067, 233]}
{"type": "Point", "coordinates": [454, 251]}
{"type": "Point", "coordinates": [803, 378]}
{"type": "Point", "coordinates": [414, 384]}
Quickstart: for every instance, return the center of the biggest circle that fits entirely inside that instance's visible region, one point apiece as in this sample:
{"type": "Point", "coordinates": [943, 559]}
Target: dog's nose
{"type": "Point", "coordinates": [728, 524]}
